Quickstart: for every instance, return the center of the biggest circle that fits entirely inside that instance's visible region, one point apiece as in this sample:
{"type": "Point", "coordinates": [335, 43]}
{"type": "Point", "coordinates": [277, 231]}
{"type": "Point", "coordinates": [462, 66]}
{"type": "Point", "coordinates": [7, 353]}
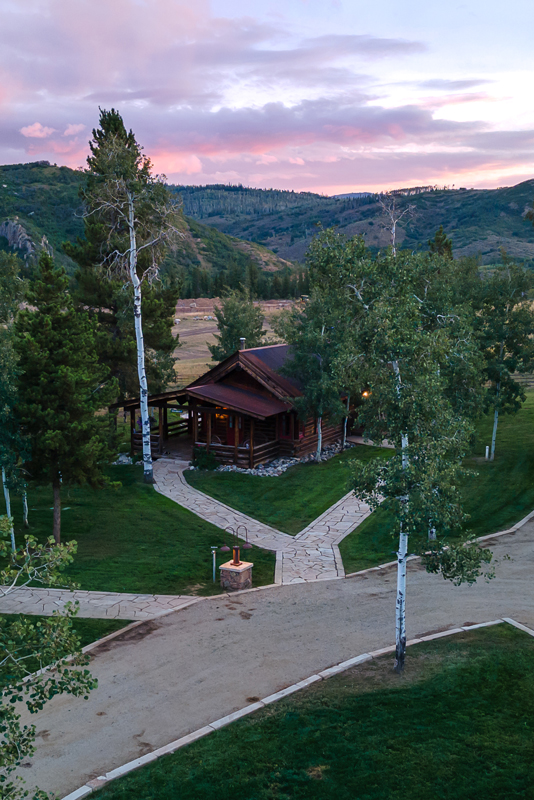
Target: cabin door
{"type": "Point", "coordinates": [234, 434]}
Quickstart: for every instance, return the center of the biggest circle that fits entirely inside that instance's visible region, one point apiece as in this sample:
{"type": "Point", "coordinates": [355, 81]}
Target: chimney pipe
{"type": "Point", "coordinates": [242, 341]}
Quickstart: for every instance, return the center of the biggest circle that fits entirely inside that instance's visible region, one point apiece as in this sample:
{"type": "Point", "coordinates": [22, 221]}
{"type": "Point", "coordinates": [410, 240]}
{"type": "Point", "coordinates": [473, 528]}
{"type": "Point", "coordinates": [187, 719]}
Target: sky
{"type": "Point", "coordinates": [330, 96]}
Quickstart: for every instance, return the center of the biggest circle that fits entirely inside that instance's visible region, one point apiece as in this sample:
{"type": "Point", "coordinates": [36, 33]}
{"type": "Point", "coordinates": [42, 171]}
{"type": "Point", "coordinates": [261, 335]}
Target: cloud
{"type": "Point", "coordinates": [36, 131]}
{"type": "Point", "coordinates": [72, 130]}
{"type": "Point", "coordinates": [448, 85]}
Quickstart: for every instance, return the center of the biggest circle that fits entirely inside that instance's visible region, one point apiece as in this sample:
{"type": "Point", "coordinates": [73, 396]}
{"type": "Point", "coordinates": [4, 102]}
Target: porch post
{"type": "Point", "coordinates": [195, 422]}
{"type": "Point", "coordinates": [292, 427]}
{"type": "Point", "coordinates": [165, 423]}
{"type": "Point", "coordinates": [236, 438]}
{"type": "Point", "coordinates": [208, 442]}
{"type": "Point", "coordinates": [160, 429]}
{"type": "Point", "coordinates": [252, 443]}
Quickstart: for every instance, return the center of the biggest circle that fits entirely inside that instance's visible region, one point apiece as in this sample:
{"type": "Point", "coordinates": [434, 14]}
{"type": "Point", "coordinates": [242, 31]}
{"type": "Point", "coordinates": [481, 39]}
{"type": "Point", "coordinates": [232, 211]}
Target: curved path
{"type": "Point", "coordinates": [170, 676]}
{"type": "Point", "coordinates": [311, 555]}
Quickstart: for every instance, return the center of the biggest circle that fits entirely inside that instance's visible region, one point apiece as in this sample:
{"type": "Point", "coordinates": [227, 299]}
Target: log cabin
{"type": "Point", "coordinates": [241, 410]}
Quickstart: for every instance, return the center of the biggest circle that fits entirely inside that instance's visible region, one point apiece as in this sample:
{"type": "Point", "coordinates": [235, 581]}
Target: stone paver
{"type": "Point", "coordinates": [100, 605]}
{"type": "Point", "coordinates": [309, 556]}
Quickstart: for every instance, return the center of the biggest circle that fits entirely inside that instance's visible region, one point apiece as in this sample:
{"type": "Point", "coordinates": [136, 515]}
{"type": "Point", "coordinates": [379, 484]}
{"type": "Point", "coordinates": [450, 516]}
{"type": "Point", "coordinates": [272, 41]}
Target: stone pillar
{"type": "Point", "coordinates": [235, 577]}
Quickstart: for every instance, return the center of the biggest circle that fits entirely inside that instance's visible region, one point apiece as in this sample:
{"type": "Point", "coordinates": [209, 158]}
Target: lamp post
{"type": "Point", "coordinates": [214, 549]}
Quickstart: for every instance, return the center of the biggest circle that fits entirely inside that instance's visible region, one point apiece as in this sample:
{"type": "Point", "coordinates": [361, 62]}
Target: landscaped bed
{"type": "Point", "coordinates": [133, 539]}
{"type": "Point", "coordinates": [292, 500]}
{"type": "Point", "coordinates": [458, 725]}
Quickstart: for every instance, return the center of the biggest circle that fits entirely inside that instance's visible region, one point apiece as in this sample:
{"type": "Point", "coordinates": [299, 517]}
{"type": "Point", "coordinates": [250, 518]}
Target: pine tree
{"type": "Point", "coordinates": [440, 244]}
{"type": "Point", "coordinates": [135, 221]}
{"type": "Point", "coordinates": [104, 293]}
{"type": "Point", "coordinates": [237, 317]}
{"type": "Point", "coordinates": [61, 388]}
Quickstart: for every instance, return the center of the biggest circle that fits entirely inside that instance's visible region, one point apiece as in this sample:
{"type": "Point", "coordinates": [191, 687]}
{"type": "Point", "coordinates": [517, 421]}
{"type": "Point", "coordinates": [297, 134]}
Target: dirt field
{"type": "Point", "coordinates": [197, 327]}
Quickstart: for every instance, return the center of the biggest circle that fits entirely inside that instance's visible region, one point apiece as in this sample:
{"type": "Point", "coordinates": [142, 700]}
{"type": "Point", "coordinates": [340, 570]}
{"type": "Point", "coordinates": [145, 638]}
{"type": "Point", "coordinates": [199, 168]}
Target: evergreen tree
{"type": "Point", "coordinates": [12, 444]}
{"type": "Point", "coordinates": [440, 244]}
{"type": "Point", "coordinates": [103, 292]}
{"type": "Point", "coordinates": [62, 386]}
{"type": "Point", "coordinates": [137, 222]}
{"type": "Point", "coordinates": [237, 317]}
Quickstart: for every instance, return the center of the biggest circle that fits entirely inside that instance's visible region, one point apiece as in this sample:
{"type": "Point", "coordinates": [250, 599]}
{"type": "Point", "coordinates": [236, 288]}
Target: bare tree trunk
{"type": "Point", "coordinates": [495, 423]}
{"type": "Point", "coordinates": [345, 424]}
{"type": "Point", "coordinates": [25, 509]}
{"type": "Point", "coordinates": [400, 604]}
{"type": "Point", "coordinates": [496, 414]}
{"type": "Point", "coordinates": [141, 371]}
{"type": "Point", "coordinates": [494, 434]}
{"type": "Point", "coordinates": [56, 485]}
{"type": "Point", "coordinates": [319, 438]}
{"type": "Point", "coordinates": [8, 507]}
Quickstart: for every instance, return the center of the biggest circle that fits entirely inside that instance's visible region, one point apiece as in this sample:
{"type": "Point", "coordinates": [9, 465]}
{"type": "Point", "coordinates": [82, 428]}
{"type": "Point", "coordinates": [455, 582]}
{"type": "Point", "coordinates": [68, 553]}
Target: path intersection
{"type": "Point", "coordinates": [311, 555]}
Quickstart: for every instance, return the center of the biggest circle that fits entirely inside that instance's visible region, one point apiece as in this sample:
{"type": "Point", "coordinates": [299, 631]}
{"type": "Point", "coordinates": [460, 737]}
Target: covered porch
{"type": "Point", "coordinates": [238, 426]}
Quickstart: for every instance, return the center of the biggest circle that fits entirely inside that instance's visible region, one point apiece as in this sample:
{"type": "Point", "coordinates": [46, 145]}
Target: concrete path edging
{"type": "Point", "coordinates": [172, 747]}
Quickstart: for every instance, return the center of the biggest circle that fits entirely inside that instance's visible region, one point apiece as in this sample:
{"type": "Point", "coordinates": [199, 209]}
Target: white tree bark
{"type": "Point", "coordinates": [8, 507]}
{"type": "Point", "coordinates": [495, 423]}
{"type": "Point", "coordinates": [402, 553]}
{"type": "Point", "coordinates": [319, 438]}
{"type": "Point", "coordinates": [141, 371]}
{"type": "Point", "coordinates": [345, 423]}
{"type": "Point", "coordinates": [25, 509]}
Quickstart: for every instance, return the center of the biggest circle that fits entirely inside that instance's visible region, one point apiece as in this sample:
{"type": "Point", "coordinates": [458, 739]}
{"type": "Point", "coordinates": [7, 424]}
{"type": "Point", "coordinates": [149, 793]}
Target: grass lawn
{"type": "Point", "coordinates": [88, 630]}
{"type": "Point", "coordinates": [133, 539]}
{"type": "Point", "coordinates": [290, 501]}
{"type": "Point", "coordinates": [458, 725]}
{"type": "Point", "coordinates": [501, 493]}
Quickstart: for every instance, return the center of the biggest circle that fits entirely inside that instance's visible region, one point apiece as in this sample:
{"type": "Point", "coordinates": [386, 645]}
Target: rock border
{"type": "Point", "coordinates": [130, 766]}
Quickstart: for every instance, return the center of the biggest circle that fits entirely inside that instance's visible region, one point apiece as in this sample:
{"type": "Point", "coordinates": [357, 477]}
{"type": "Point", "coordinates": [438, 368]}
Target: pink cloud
{"type": "Point", "coordinates": [72, 130]}
{"type": "Point", "coordinates": [36, 131]}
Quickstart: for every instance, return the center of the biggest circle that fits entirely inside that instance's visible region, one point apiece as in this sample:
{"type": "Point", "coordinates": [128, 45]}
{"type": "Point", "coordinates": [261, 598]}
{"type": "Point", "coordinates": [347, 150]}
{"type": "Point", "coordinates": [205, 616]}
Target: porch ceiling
{"type": "Point", "coordinates": [254, 405]}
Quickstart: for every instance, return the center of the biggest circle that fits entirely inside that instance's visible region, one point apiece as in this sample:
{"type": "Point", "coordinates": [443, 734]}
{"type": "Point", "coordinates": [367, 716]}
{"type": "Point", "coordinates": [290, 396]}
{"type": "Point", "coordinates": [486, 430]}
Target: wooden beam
{"type": "Point", "coordinates": [252, 443]}
{"type": "Point", "coordinates": [292, 427]}
{"type": "Point", "coordinates": [165, 423]}
{"type": "Point", "coordinates": [160, 429]}
{"type": "Point", "coordinates": [236, 437]}
{"type": "Point", "coordinates": [208, 441]}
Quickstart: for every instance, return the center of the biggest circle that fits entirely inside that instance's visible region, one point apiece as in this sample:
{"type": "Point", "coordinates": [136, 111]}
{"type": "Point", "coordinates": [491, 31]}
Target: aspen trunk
{"type": "Point", "coordinates": [319, 438]}
{"type": "Point", "coordinates": [141, 371]}
{"type": "Point", "coordinates": [345, 424]}
{"type": "Point", "coordinates": [495, 423]}
{"type": "Point", "coordinates": [8, 508]}
{"type": "Point", "coordinates": [400, 604]}
{"type": "Point", "coordinates": [25, 509]}
{"type": "Point", "coordinates": [496, 414]}
{"type": "Point", "coordinates": [56, 485]}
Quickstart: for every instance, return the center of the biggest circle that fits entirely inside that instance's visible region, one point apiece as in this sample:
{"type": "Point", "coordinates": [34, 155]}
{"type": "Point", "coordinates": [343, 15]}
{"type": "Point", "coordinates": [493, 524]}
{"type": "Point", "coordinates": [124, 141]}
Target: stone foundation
{"type": "Point", "coordinates": [236, 576]}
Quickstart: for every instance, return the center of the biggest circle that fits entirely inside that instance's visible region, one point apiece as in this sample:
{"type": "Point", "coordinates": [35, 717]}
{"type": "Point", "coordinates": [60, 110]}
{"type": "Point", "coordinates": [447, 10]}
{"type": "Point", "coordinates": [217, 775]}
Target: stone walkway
{"type": "Point", "coordinates": [311, 555]}
{"type": "Point", "coordinates": [99, 605]}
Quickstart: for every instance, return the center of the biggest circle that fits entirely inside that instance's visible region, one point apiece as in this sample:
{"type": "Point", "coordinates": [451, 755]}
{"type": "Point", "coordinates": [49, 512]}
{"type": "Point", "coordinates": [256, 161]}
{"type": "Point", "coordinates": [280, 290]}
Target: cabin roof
{"type": "Point", "coordinates": [240, 400]}
{"type": "Point", "coordinates": [263, 364]}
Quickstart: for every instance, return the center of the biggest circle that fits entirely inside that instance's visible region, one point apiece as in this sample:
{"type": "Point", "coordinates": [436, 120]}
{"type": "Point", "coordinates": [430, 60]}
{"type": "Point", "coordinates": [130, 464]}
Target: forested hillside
{"type": "Point", "coordinates": [40, 207]}
{"type": "Point", "coordinates": [479, 222]}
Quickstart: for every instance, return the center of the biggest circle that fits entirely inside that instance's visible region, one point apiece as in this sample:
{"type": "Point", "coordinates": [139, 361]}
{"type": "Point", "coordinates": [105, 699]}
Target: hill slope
{"type": "Point", "coordinates": [479, 222]}
{"type": "Point", "coordinates": [40, 207]}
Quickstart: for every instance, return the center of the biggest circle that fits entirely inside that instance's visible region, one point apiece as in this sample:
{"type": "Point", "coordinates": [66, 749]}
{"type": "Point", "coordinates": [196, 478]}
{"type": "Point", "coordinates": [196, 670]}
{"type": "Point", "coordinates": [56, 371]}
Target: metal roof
{"type": "Point", "coordinates": [255, 405]}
